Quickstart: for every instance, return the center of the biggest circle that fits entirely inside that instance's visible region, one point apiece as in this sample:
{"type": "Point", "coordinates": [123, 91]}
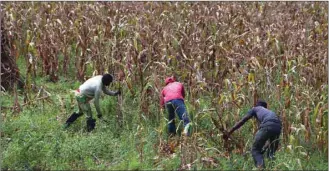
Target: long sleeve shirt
{"type": "Point", "coordinates": [264, 117]}
{"type": "Point", "coordinates": [173, 90]}
{"type": "Point", "coordinates": [93, 88]}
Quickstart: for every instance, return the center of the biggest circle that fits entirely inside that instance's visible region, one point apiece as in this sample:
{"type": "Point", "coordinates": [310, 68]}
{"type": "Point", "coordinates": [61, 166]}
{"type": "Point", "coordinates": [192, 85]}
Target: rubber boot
{"type": "Point", "coordinates": [188, 129]}
{"type": "Point", "coordinates": [90, 124]}
{"type": "Point", "coordinates": [71, 119]}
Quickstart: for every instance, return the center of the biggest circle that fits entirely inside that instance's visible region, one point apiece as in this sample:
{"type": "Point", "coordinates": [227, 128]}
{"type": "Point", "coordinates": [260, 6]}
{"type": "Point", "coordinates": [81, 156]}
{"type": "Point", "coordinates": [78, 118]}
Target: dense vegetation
{"type": "Point", "coordinates": [227, 54]}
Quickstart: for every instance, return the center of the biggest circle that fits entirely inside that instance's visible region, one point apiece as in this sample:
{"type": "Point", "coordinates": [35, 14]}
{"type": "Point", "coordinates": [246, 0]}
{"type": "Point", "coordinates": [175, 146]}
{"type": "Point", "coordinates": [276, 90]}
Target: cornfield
{"type": "Point", "coordinates": [230, 52]}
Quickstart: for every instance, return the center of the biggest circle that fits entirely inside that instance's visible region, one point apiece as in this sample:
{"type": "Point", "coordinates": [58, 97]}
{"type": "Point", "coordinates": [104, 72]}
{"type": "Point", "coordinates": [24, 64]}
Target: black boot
{"type": "Point", "coordinates": [71, 119]}
{"type": "Point", "coordinates": [90, 124]}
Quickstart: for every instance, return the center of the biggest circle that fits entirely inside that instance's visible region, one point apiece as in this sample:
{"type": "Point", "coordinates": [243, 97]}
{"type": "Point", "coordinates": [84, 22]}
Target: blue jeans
{"type": "Point", "coordinates": [176, 106]}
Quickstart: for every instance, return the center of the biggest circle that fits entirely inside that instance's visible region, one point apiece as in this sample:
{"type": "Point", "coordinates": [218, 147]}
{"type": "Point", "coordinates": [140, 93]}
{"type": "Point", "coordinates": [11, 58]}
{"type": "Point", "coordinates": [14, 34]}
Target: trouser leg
{"type": "Point", "coordinates": [259, 142]}
{"type": "Point", "coordinates": [171, 119]}
{"type": "Point", "coordinates": [89, 117]}
{"type": "Point", "coordinates": [274, 141]}
{"type": "Point", "coordinates": [88, 111]}
{"type": "Point", "coordinates": [181, 111]}
{"type": "Point", "coordinates": [84, 107]}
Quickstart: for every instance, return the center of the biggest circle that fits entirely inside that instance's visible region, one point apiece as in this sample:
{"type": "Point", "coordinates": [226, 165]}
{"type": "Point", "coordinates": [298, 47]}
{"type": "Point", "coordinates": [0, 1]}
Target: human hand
{"type": "Point", "coordinates": [226, 135]}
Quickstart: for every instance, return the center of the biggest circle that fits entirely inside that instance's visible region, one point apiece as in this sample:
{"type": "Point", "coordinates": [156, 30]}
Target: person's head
{"type": "Point", "coordinates": [107, 79]}
{"type": "Point", "coordinates": [169, 80]}
{"type": "Point", "coordinates": [261, 103]}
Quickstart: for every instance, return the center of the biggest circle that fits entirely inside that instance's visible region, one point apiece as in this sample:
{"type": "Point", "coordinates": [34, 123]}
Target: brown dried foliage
{"type": "Point", "coordinates": [233, 52]}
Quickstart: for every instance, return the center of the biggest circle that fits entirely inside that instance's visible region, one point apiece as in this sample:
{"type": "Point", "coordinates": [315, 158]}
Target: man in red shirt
{"type": "Point", "coordinates": [172, 97]}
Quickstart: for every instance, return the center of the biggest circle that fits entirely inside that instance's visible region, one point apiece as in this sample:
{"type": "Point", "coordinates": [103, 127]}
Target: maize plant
{"type": "Point", "coordinates": [227, 55]}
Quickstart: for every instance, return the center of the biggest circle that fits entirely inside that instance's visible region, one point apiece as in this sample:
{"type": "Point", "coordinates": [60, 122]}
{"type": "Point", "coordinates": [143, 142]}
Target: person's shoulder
{"type": "Point", "coordinates": [261, 108]}
{"type": "Point", "coordinates": [254, 109]}
{"type": "Point", "coordinates": [98, 77]}
{"type": "Point", "coordinates": [94, 80]}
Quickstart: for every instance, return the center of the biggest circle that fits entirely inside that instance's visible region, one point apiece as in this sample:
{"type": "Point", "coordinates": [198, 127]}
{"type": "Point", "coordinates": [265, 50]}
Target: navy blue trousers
{"type": "Point", "coordinates": [268, 133]}
{"type": "Point", "coordinates": [176, 106]}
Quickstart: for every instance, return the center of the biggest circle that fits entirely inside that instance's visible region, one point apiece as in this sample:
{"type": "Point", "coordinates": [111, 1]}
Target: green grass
{"type": "Point", "coordinates": [34, 139]}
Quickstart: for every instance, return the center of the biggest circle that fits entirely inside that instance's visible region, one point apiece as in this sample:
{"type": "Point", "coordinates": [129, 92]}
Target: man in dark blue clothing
{"type": "Point", "coordinates": [269, 130]}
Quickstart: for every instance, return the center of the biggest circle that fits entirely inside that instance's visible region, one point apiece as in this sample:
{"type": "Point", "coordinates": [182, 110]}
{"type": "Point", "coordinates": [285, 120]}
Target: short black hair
{"type": "Point", "coordinates": [261, 103]}
{"type": "Point", "coordinates": [107, 79]}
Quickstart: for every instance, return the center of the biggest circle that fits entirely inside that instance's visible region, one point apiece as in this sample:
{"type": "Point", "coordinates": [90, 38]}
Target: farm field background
{"type": "Point", "coordinates": [227, 54]}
